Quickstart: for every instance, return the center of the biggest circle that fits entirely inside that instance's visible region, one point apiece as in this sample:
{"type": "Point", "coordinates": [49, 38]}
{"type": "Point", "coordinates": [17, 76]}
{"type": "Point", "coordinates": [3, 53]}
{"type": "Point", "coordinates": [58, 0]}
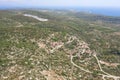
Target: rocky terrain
{"type": "Point", "coordinates": [63, 48]}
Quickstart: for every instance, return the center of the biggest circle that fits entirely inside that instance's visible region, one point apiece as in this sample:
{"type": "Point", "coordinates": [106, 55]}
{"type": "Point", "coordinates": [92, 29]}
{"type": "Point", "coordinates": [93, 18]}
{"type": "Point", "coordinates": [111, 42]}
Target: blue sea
{"type": "Point", "coordinates": [102, 11]}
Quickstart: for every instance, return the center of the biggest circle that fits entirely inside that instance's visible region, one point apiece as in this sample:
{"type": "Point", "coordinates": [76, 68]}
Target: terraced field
{"type": "Point", "coordinates": [68, 46]}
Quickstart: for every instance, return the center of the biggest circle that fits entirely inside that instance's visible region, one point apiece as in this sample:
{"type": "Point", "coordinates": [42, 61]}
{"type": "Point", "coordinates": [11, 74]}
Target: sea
{"type": "Point", "coordinates": [101, 11]}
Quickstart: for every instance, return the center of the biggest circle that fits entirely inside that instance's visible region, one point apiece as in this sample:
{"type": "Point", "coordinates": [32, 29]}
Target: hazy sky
{"type": "Point", "coordinates": [61, 3]}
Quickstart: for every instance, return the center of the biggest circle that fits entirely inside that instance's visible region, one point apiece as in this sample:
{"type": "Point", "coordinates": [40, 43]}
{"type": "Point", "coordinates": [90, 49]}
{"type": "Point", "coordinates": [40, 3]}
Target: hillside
{"type": "Point", "coordinates": [65, 45]}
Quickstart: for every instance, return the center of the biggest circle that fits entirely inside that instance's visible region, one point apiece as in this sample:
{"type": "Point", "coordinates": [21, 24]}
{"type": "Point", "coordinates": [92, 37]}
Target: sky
{"type": "Point", "coordinates": [60, 3]}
